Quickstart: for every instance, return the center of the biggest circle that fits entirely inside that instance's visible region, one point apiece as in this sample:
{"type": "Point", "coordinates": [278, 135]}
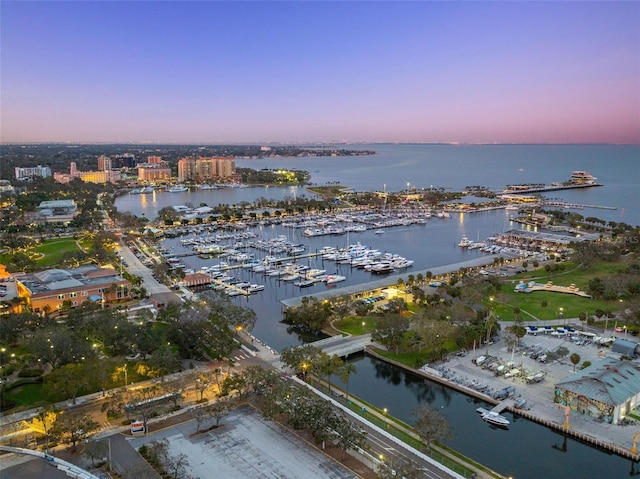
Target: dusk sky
{"type": "Point", "coordinates": [284, 72]}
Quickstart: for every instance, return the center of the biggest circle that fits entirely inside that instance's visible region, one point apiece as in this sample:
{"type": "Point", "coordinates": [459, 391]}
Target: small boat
{"type": "Point", "coordinates": [304, 283]}
{"type": "Point", "coordinates": [496, 419]}
{"type": "Point", "coordinates": [334, 278]}
{"type": "Point", "coordinates": [379, 232]}
{"type": "Point", "coordinates": [464, 242]}
{"type": "Point", "coordinates": [290, 277]}
{"type": "Point", "coordinates": [177, 189]}
{"type": "Point", "coordinates": [254, 288]}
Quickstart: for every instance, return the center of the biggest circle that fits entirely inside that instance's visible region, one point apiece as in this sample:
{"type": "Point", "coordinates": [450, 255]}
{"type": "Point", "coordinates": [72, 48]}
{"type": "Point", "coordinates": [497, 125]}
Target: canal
{"type": "Point", "coordinates": [526, 450]}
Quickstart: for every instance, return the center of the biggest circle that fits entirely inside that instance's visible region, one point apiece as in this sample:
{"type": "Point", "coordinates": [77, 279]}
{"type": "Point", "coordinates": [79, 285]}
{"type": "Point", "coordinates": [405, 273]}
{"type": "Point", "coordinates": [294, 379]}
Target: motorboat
{"type": "Point", "coordinates": [379, 232]}
{"type": "Point", "coordinates": [177, 189]}
{"type": "Point", "coordinates": [305, 283]}
{"type": "Point", "coordinates": [291, 277]}
{"type": "Point", "coordinates": [381, 268]}
{"type": "Point", "coordinates": [254, 288]}
{"type": "Point", "coordinates": [464, 242]}
{"type": "Point", "coordinates": [496, 419]}
{"type": "Point", "coordinates": [334, 278]}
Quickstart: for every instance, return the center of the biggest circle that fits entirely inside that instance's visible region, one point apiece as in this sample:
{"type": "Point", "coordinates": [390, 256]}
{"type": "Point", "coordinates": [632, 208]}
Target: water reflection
{"type": "Point", "coordinates": [525, 451]}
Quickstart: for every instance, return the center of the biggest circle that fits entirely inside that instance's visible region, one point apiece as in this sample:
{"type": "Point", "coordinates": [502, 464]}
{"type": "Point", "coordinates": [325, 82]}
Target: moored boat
{"type": "Point", "coordinates": [496, 419]}
{"type": "Point", "coordinates": [177, 189]}
{"type": "Point", "coordinates": [334, 278]}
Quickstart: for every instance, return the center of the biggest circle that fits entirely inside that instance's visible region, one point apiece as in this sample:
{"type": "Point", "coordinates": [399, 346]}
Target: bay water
{"type": "Point", "coordinates": [527, 450]}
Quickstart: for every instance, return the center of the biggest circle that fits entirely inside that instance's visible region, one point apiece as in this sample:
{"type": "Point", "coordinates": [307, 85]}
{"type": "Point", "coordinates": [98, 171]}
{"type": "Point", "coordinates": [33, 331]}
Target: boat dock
{"type": "Point", "coordinates": [574, 206]}
{"type": "Point", "coordinates": [545, 188]}
{"type": "Point", "coordinates": [502, 405]}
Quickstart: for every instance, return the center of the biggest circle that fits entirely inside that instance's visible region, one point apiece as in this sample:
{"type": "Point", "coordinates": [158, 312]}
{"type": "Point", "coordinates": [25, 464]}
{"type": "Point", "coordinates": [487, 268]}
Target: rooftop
{"type": "Point", "coordinates": [610, 381]}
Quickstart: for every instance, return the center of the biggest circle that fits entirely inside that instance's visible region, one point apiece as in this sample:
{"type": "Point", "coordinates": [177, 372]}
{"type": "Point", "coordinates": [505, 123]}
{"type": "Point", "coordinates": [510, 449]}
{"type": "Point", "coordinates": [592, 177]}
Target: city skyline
{"type": "Point", "coordinates": [304, 72]}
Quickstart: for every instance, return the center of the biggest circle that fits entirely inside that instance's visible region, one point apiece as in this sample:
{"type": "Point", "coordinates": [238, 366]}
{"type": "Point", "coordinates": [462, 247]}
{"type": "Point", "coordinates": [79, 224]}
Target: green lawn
{"type": "Point", "coordinates": [572, 305]}
{"type": "Point", "coordinates": [572, 274]}
{"type": "Point", "coordinates": [357, 325]}
{"type": "Point", "coordinates": [53, 251]}
{"type": "Point", "coordinates": [27, 396]}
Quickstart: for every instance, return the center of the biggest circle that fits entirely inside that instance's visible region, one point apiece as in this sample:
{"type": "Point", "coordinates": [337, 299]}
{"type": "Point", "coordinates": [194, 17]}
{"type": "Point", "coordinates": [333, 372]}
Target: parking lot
{"type": "Point", "coordinates": [247, 446]}
{"type": "Point", "coordinates": [523, 365]}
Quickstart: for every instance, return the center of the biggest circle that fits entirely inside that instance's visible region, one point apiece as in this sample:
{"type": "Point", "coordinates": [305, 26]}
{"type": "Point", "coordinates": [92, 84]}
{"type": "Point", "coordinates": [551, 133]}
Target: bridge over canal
{"type": "Point", "coordinates": [343, 346]}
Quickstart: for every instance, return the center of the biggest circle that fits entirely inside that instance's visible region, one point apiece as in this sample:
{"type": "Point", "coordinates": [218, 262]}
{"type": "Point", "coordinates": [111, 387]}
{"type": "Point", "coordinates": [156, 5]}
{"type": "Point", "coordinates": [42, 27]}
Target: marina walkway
{"type": "Point", "coordinates": [392, 280]}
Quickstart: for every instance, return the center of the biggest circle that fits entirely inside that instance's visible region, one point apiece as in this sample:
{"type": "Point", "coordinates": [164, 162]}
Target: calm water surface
{"type": "Point", "coordinates": [527, 450]}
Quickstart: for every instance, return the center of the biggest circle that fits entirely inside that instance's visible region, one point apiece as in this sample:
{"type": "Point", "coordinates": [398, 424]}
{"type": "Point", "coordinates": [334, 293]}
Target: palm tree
{"type": "Point", "coordinates": [345, 372]}
{"type": "Point", "coordinates": [575, 359]}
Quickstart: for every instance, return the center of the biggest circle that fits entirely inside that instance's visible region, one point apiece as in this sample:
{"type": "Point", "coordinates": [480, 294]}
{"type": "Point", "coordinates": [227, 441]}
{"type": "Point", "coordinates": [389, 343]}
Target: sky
{"type": "Point", "coordinates": [330, 71]}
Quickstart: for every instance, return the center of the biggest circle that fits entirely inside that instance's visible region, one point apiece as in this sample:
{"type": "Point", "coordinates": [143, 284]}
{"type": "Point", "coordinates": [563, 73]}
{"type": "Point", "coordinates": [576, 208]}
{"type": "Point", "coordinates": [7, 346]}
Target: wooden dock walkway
{"type": "Point", "coordinates": [502, 405]}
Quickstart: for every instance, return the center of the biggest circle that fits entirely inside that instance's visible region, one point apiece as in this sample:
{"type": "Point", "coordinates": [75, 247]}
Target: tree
{"type": "Point", "coordinates": [300, 358]}
{"type": "Point", "coordinates": [66, 382]}
{"type": "Point", "coordinates": [219, 410]}
{"type": "Point", "coordinates": [199, 414]}
{"type": "Point", "coordinates": [575, 359]}
{"type": "Point", "coordinates": [202, 383]}
{"type": "Point", "coordinates": [311, 315]}
{"type": "Point", "coordinates": [390, 330]}
{"type": "Point", "coordinates": [431, 425]}
{"type": "Point", "coordinates": [44, 422]}
{"type": "Point", "coordinates": [347, 435]}
{"type": "Point", "coordinates": [342, 307]}
{"type": "Point", "coordinates": [328, 365]}
{"type": "Point", "coordinates": [163, 361]}
{"type": "Point", "coordinates": [96, 450]}
{"type": "Point", "coordinates": [75, 427]}
{"type": "Point", "coordinates": [345, 372]}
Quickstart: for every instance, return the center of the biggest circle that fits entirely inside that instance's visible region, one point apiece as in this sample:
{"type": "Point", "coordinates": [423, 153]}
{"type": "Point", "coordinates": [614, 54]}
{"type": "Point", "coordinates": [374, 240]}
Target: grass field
{"type": "Point", "coordinates": [52, 251]}
{"type": "Point", "coordinates": [27, 396]}
{"type": "Point", "coordinates": [572, 305]}
{"type": "Point", "coordinates": [49, 253]}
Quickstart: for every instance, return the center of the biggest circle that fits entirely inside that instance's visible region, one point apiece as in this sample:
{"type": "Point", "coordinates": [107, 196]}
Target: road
{"type": "Point", "coordinates": [135, 267]}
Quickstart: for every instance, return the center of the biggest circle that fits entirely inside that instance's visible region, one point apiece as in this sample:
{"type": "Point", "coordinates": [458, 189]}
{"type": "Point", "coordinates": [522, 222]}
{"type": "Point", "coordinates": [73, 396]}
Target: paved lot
{"type": "Point", "coordinates": [247, 446]}
{"type": "Point", "coordinates": [539, 396]}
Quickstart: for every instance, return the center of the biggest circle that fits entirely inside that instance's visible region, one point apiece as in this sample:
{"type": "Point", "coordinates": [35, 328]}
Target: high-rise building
{"type": "Point", "coordinates": [104, 163]}
{"type": "Point", "coordinates": [126, 160]}
{"type": "Point", "coordinates": [31, 172]}
{"type": "Point", "coordinates": [153, 172]}
{"type": "Point", "coordinates": [154, 160]}
{"type": "Point", "coordinates": [205, 168]}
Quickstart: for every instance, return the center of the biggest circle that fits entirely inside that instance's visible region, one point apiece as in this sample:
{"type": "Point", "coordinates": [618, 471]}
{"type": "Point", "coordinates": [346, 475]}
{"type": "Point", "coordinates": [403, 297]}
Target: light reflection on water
{"type": "Point", "coordinates": [525, 451]}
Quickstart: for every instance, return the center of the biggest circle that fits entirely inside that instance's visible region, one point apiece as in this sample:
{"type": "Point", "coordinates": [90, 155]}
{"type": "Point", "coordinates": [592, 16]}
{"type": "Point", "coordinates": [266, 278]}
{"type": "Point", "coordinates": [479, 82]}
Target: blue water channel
{"type": "Point", "coordinates": [526, 450]}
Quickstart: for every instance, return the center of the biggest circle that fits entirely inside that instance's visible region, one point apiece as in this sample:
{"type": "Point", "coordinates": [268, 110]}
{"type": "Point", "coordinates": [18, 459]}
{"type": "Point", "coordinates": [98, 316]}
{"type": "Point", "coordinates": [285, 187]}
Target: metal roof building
{"type": "Point", "coordinates": [607, 390]}
{"type": "Point", "coordinates": [623, 346]}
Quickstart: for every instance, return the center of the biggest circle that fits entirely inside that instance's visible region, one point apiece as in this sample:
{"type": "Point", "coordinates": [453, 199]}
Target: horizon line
{"type": "Point", "coordinates": [309, 143]}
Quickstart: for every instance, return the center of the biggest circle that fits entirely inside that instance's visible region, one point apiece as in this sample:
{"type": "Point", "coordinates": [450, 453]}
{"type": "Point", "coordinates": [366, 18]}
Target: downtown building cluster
{"type": "Point", "coordinates": [153, 170]}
